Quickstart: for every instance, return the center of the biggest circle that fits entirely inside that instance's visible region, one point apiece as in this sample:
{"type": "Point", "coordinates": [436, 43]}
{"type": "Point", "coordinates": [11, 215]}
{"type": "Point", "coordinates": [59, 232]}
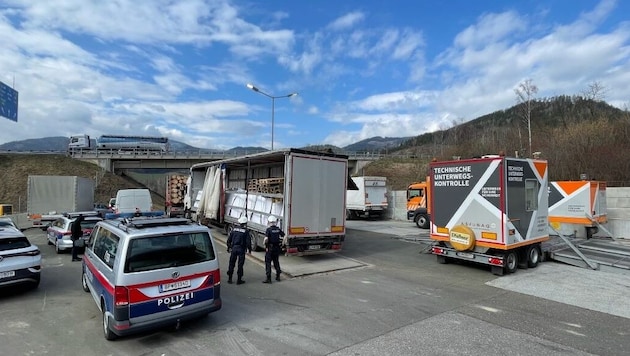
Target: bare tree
{"type": "Point", "coordinates": [524, 95]}
{"type": "Point", "coordinates": [596, 91]}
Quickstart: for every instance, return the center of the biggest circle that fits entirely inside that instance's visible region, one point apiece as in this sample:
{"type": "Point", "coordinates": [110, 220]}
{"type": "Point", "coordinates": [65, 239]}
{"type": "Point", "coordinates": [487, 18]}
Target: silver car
{"type": "Point", "coordinates": [59, 233]}
{"type": "Point", "coordinates": [20, 261]}
{"type": "Point", "coordinates": [7, 221]}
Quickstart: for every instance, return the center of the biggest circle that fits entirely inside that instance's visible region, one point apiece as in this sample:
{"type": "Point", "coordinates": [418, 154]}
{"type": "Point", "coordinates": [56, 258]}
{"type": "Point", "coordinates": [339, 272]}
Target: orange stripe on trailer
{"type": "Point", "coordinates": [494, 245]}
{"type": "Point", "coordinates": [574, 220]}
{"type": "Point", "coordinates": [511, 246]}
{"type": "Point", "coordinates": [439, 237]}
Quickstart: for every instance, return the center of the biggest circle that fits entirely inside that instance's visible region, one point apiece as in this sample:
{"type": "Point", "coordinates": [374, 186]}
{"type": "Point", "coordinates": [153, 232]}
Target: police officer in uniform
{"type": "Point", "coordinates": [273, 241]}
{"type": "Point", "coordinates": [76, 234]}
{"type": "Point", "coordinates": [238, 242]}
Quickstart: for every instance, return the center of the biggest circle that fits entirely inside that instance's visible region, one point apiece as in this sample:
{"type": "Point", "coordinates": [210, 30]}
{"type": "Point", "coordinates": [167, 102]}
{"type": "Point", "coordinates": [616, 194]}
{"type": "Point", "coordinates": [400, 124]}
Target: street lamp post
{"type": "Point", "coordinates": [273, 104]}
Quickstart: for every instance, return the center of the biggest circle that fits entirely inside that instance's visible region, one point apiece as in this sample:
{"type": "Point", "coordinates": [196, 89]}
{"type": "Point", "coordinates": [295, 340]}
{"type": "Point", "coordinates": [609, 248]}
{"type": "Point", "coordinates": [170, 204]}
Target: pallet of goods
{"type": "Point", "coordinates": [266, 185]}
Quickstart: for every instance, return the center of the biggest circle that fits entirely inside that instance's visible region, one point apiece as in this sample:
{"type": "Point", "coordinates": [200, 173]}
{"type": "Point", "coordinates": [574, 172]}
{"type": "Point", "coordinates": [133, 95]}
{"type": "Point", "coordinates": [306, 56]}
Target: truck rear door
{"type": "Point", "coordinates": [316, 198]}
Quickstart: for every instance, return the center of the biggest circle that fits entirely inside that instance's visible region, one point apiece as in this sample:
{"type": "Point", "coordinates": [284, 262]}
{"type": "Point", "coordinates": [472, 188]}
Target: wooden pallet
{"type": "Point", "coordinates": [266, 185]}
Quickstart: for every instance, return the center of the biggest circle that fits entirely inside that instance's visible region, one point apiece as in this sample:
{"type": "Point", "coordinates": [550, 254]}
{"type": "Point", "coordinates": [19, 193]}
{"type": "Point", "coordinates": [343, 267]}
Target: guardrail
{"type": "Point", "coordinates": [196, 154]}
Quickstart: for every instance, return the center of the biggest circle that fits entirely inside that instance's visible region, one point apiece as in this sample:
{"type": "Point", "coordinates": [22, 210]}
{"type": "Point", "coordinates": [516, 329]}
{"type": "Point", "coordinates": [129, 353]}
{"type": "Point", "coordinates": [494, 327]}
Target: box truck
{"type": "Point", "coordinates": [369, 200]}
{"type": "Point", "coordinates": [304, 190]}
{"type": "Point", "coordinates": [491, 210]}
{"type": "Point", "coordinates": [48, 197]}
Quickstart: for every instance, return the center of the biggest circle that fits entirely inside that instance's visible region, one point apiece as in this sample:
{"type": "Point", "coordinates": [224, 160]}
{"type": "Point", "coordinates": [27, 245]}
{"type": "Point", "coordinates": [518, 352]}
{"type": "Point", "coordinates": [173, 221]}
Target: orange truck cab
{"type": "Point", "coordinates": [417, 204]}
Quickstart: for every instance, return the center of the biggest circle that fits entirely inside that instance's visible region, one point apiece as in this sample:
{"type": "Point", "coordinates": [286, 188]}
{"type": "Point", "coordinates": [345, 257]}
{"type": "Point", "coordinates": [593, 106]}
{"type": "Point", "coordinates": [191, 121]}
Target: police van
{"type": "Point", "coordinates": [149, 271]}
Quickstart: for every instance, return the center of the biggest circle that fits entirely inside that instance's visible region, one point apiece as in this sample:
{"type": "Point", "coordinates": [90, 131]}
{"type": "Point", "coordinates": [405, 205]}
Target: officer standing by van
{"type": "Point", "coordinates": [273, 241]}
{"type": "Point", "coordinates": [238, 242]}
{"type": "Point", "coordinates": [76, 234]}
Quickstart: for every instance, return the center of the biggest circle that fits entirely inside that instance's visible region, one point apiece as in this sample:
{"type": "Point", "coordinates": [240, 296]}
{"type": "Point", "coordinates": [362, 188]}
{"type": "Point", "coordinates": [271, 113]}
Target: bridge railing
{"type": "Point", "coordinates": [197, 154]}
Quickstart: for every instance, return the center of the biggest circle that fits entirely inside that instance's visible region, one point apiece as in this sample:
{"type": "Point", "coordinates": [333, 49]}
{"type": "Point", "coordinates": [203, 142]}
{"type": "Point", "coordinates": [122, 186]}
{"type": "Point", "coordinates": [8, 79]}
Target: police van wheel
{"type": "Point", "coordinates": [107, 332]}
{"type": "Point", "coordinates": [84, 284]}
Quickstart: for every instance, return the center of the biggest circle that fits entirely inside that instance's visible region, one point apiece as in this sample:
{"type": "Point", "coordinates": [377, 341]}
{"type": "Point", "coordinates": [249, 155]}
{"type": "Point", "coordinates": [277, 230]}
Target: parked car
{"type": "Point", "coordinates": [59, 233]}
{"type": "Point", "coordinates": [7, 221]}
{"type": "Point", "coordinates": [20, 261]}
{"type": "Point", "coordinates": [145, 272]}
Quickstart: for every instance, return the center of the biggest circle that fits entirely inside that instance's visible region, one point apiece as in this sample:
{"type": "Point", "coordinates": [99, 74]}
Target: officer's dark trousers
{"type": "Point", "coordinates": [272, 256]}
{"type": "Point", "coordinates": [240, 256]}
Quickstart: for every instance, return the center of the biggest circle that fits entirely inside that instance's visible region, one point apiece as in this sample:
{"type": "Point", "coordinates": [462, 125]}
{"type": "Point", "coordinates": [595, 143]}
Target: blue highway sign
{"type": "Point", "coordinates": [8, 102]}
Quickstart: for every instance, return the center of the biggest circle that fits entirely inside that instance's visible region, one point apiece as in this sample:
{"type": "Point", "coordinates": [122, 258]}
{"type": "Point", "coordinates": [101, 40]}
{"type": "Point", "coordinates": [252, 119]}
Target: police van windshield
{"type": "Point", "coordinates": [156, 252]}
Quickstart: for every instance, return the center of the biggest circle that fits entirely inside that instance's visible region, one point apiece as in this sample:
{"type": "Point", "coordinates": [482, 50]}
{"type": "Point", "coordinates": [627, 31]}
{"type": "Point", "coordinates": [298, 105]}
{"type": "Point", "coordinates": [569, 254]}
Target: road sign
{"type": "Point", "coordinates": [8, 102]}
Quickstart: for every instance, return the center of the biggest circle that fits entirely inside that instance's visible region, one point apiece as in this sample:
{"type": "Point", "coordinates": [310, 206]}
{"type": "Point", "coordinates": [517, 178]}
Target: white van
{"type": "Point", "coordinates": [130, 200]}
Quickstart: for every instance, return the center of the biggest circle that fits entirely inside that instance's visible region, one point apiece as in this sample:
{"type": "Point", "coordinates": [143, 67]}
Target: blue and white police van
{"type": "Point", "coordinates": [150, 271]}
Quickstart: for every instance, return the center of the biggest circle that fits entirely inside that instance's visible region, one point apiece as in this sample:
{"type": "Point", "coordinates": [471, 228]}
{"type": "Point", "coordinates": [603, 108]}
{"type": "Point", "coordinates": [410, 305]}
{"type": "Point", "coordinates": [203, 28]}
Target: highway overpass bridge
{"type": "Point", "coordinates": [119, 162]}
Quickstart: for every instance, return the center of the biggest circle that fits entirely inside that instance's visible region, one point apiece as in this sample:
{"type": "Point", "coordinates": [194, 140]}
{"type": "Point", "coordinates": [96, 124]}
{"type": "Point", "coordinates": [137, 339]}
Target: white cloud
{"type": "Point", "coordinates": [347, 21]}
{"type": "Point", "coordinates": [490, 28]}
{"type": "Point", "coordinates": [397, 101]}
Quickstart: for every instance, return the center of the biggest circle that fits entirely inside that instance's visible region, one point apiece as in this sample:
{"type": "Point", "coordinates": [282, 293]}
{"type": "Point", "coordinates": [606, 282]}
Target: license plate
{"type": "Point", "coordinates": [7, 274]}
{"type": "Point", "coordinates": [466, 255]}
{"type": "Point", "coordinates": [174, 286]}
{"type": "Point", "coordinates": [314, 247]}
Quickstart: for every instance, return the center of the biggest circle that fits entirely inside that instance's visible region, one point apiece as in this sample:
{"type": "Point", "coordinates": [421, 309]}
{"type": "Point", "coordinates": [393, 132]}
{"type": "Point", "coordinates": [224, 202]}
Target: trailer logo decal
{"type": "Point", "coordinates": [460, 237]}
{"type": "Point", "coordinates": [515, 173]}
{"type": "Point", "coordinates": [456, 176]}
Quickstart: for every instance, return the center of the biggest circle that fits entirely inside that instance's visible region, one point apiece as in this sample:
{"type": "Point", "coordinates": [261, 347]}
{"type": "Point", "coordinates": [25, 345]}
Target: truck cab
{"type": "Point", "coordinates": [417, 207]}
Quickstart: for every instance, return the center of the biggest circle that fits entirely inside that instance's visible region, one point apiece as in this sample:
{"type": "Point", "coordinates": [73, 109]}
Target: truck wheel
{"type": "Point", "coordinates": [511, 261]}
{"type": "Point", "coordinates": [254, 241]}
{"type": "Point", "coordinates": [422, 221]}
{"type": "Point", "coordinates": [442, 259]}
{"type": "Point", "coordinates": [533, 256]}
{"type": "Point", "coordinates": [349, 215]}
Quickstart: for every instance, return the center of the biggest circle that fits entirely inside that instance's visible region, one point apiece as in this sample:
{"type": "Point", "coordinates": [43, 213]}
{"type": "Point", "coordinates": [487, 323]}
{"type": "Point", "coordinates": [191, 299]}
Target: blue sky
{"type": "Point", "coordinates": [179, 68]}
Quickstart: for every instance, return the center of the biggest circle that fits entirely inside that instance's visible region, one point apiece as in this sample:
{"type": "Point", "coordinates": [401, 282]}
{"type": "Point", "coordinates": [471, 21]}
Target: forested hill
{"type": "Point", "coordinates": [576, 135]}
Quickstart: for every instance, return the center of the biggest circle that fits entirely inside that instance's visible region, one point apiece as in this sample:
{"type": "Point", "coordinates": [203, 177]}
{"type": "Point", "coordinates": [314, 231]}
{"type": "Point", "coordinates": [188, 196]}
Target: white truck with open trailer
{"type": "Point", "coordinates": [305, 190]}
{"type": "Point", "coordinates": [491, 210]}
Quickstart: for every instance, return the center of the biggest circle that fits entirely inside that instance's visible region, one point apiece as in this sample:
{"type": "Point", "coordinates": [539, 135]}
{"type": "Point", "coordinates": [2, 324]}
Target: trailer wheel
{"type": "Point", "coordinates": [349, 214]}
{"type": "Point", "coordinates": [442, 259]}
{"type": "Point", "coordinates": [422, 221]}
{"type": "Point", "coordinates": [533, 256]}
{"type": "Point", "coordinates": [511, 261]}
{"type": "Point", "coordinates": [254, 241]}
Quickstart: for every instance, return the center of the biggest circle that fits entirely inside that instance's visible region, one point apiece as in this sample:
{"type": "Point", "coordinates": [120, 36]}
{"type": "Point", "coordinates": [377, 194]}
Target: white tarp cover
{"type": "Point", "coordinates": [205, 191]}
{"type": "Point", "coordinates": [212, 205]}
